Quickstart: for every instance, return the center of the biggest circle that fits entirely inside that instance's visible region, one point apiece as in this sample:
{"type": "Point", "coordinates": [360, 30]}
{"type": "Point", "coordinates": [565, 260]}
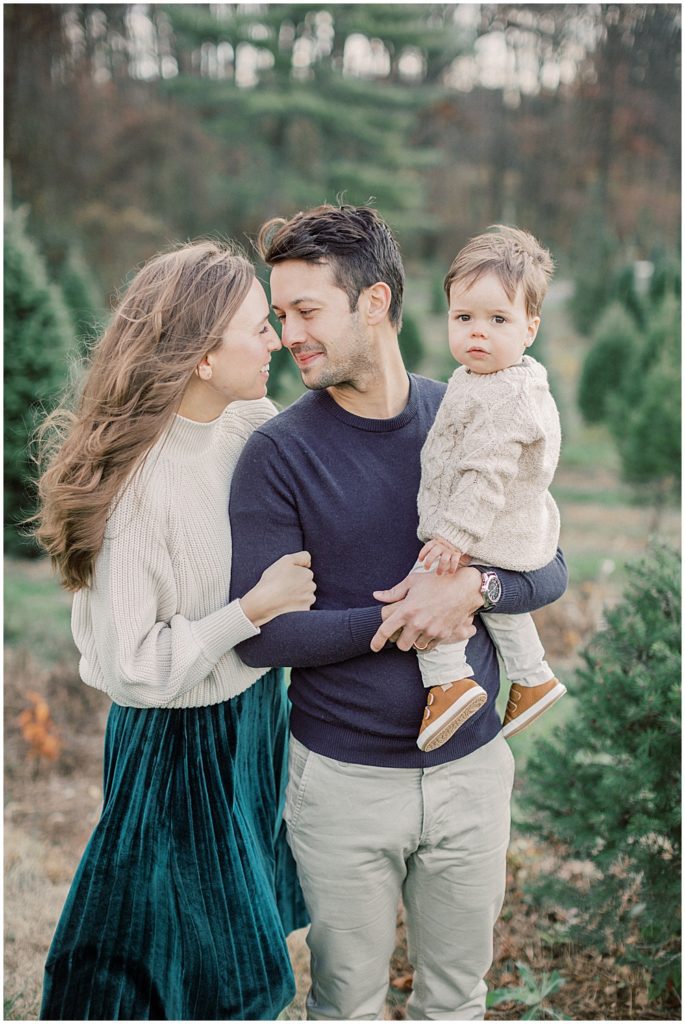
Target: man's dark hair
{"type": "Point", "coordinates": [353, 240]}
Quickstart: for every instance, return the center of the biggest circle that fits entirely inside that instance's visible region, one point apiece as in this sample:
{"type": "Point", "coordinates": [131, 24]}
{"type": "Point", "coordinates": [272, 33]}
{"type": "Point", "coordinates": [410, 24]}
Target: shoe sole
{"type": "Point", "coordinates": [522, 722]}
{"type": "Point", "coordinates": [448, 729]}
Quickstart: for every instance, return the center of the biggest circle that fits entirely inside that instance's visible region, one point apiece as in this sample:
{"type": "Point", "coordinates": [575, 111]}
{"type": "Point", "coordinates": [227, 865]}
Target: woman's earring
{"type": "Point", "coordinates": [205, 372]}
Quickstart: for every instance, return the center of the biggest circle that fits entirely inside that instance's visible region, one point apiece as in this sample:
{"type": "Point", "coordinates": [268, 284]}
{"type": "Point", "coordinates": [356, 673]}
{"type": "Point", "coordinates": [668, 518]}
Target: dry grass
{"type": "Point", "coordinates": [50, 811]}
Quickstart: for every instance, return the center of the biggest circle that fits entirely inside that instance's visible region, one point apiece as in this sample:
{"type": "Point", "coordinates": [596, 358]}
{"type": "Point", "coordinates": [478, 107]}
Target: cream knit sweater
{"type": "Point", "coordinates": [486, 466]}
{"type": "Point", "coordinates": [156, 629]}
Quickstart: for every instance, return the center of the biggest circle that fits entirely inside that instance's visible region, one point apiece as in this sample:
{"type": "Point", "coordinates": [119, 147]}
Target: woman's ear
{"type": "Point", "coordinates": [204, 369]}
{"type": "Point", "coordinates": [377, 300]}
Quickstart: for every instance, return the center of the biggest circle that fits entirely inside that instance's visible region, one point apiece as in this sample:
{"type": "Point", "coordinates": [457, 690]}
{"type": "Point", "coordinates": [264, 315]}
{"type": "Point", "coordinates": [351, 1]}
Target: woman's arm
{"type": "Point", "coordinates": [148, 653]}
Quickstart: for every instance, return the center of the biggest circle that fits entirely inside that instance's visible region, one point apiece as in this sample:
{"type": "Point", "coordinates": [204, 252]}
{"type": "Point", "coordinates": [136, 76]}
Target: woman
{"type": "Point", "coordinates": [185, 892]}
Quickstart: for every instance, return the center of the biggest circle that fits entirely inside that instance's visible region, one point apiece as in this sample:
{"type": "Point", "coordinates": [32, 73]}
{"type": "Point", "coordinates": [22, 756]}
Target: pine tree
{"type": "Point", "coordinates": [594, 256]}
{"type": "Point", "coordinates": [626, 292]}
{"type": "Point", "coordinates": [438, 299]}
{"type": "Point", "coordinates": [315, 131]}
{"type": "Point", "coordinates": [644, 417]}
{"type": "Point", "coordinates": [80, 292]}
{"type": "Point", "coordinates": [607, 363]}
{"type": "Point", "coordinates": [411, 345]}
{"type": "Point", "coordinates": [607, 786]}
{"type": "Point", "coordinates": [38, 340]}
{"type": "Point", "coordinates": [666, 277]}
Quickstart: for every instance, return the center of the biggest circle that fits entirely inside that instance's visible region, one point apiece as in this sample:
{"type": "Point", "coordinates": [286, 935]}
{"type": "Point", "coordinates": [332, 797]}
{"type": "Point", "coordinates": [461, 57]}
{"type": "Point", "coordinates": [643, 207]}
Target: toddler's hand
{"type": "Point", "coordinates": [441, 551]}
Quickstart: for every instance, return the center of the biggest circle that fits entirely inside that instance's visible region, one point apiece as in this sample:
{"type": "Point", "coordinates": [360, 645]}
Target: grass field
{"type": "Point", "coordinates": [51, 808]}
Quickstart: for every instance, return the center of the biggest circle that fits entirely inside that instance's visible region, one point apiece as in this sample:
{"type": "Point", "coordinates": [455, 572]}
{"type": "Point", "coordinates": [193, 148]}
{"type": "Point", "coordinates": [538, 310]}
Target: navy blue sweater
{"type": "Point", "coordinates": [344, 488]}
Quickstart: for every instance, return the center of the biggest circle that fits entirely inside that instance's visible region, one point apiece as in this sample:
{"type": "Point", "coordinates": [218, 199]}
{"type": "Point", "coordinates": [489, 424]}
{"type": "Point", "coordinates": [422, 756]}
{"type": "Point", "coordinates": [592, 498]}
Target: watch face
{"type": "Point", "coordinates": [493, 588]}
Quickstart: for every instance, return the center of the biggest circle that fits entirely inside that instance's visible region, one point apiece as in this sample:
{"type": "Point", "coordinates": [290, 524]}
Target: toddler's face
{"type": "Point", "coordinates": [487, 330]}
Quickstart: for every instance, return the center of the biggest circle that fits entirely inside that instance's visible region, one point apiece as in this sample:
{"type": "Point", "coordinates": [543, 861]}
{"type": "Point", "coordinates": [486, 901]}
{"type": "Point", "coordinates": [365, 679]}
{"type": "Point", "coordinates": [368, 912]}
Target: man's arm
{"type": "Point", "coordinates": [265, 524]}
{"type": "Point", "coordinates": [527, 591]}
{"type": "Point", "coordinates": [429, 606]}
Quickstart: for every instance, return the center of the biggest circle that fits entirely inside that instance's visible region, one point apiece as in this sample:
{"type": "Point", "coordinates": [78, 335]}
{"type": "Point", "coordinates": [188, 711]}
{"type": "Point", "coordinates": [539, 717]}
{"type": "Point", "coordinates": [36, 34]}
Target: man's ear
{"type": "Point", "coordinates": [377, 301]}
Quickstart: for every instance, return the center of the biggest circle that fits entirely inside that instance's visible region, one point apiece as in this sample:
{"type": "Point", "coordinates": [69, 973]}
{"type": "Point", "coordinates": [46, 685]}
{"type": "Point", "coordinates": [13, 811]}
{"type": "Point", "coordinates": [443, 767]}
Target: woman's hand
{"type": "Point", "coordinates": [286, 586]}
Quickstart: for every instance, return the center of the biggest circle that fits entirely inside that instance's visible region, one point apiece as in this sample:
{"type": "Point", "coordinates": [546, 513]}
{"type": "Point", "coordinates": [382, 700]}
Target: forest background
{"type": "Point", "coordinates": [132, 126]}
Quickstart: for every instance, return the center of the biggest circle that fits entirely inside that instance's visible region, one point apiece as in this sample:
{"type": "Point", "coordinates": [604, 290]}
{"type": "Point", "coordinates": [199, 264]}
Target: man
{"type": "Point", "coordinates": [371, 818]}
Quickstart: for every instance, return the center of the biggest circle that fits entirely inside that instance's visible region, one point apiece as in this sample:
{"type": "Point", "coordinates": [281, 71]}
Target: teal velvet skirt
{"type": "Point", "coordinates": [181, 903]}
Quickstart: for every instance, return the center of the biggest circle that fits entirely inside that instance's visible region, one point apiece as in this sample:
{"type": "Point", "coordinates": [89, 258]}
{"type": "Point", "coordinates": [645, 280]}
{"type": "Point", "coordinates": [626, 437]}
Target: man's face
{"type": "Point", "coordinates": [328, 341]}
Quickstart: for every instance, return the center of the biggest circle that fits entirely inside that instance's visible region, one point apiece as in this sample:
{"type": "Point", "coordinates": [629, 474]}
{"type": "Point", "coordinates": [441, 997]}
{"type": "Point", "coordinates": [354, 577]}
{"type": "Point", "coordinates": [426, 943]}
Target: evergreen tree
{"type": "Point", "coordinates": [645, 417]}
{"type": "Point", "coordinates": [38, 339]}
{"type": "Point", "coordinates": [593, 257]}
{"type": "Point", "coordinates": [665, 279]}
{"type": "Point", "coordinates": [80, 292]}
{"type": "Point", "coordinates": [411, 345]}
{"type": "Point", "coordinates": [438, 299]}
{"type": "Point", "coordinates": [626, 293]}
{"type": "Point", "coordinates": [608, 362]}
{"type": "Point", "coordinates": [315, 129]}
{"type": "Point", "coordinates": [607, 786]}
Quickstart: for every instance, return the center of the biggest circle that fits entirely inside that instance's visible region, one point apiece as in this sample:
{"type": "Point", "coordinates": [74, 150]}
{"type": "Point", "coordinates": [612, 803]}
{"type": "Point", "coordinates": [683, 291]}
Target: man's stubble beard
{"type": "Point", "coordinates": [354, 373]}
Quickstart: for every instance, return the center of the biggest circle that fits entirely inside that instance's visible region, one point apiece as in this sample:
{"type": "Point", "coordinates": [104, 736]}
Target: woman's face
{"type": "Point", "coordinates": [240, 365]}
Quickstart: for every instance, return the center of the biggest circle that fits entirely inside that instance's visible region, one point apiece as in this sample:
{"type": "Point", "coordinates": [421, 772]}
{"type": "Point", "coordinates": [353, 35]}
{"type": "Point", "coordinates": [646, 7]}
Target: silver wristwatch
{"type": "Point", "coordinates": [491, 590]}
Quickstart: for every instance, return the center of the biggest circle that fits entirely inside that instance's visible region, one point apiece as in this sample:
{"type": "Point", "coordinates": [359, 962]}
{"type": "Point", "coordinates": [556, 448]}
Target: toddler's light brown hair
{"type": "Point", "coordinates": [514, 256]}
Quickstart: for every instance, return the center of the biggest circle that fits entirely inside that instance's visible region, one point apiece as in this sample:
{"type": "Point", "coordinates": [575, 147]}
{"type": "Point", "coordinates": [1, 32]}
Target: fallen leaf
{"type": "Point", "coordinates": [405, 982]}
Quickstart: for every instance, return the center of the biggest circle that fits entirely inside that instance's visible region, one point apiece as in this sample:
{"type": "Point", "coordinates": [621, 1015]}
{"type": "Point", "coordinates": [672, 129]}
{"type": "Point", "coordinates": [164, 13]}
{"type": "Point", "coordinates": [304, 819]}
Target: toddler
{"type": "Point", "coordinates": [486, 467]}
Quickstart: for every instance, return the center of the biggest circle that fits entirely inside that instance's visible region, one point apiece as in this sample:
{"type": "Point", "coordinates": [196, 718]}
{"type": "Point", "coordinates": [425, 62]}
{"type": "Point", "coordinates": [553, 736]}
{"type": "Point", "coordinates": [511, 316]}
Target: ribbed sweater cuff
{"type": "Point", "coordinates": [222, 630]}
{"type": "Point", "coordinates": [364, 622]}
{"type": "Point", "coordinates": [459, 538]}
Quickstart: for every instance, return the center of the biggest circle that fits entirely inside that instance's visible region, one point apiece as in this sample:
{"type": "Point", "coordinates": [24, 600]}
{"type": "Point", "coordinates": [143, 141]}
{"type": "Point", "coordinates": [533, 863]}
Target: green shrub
{"type": "Point", "coordinates": [607, 785]}
{"type": "Point", "coordinates": [38, 339]}
{"type": "Point", "coordinates": [607, 363]}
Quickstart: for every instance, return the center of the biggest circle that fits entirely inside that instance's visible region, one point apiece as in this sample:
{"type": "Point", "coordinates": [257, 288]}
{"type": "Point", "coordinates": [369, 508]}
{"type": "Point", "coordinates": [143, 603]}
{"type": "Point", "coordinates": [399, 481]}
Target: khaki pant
{"type": "Point", "coordinates": [363, 837]}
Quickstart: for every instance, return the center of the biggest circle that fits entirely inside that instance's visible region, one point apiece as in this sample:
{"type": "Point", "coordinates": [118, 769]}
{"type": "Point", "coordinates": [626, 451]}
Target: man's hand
{"type": "Point", "coordinates": [429, 609]}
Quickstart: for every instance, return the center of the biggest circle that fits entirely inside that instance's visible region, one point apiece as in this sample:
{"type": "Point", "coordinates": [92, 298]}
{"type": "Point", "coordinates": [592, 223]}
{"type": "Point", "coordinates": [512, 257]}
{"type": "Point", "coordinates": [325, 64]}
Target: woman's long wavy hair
{"type": "Point", "coordinates": [173, 313]}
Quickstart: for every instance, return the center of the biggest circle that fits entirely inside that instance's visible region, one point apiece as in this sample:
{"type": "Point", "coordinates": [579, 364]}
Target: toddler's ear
{"type": "Point", "coordinates": [532, 331]}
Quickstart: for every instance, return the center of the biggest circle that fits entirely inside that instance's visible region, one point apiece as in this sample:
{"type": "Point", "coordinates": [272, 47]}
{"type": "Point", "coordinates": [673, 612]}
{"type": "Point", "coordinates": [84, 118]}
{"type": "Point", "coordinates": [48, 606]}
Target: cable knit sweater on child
{"type": "Point", "coordinates": [486, 466]}
{"type": "Point", "coordinates": [156, 628]}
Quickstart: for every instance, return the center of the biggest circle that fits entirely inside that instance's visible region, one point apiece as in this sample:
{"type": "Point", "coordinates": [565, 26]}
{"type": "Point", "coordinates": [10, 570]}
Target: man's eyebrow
{"type": "Point", "coordinates": [295, 302]}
